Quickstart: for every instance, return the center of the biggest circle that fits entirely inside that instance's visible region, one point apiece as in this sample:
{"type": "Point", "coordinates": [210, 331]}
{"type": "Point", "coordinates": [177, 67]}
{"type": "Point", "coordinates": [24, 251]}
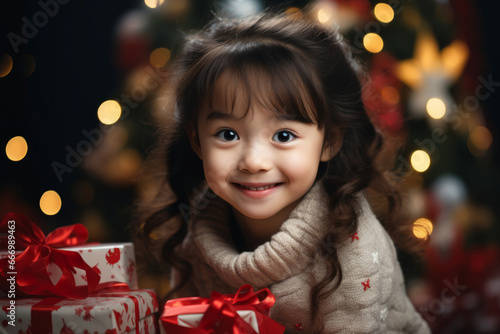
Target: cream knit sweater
{"type": "Point", "coordinates": [370, 299]}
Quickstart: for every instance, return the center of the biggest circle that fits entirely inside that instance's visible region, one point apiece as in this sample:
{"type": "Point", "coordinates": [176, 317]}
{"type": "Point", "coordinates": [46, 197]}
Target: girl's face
{"type": "Point", "coordinates": [258, 161]}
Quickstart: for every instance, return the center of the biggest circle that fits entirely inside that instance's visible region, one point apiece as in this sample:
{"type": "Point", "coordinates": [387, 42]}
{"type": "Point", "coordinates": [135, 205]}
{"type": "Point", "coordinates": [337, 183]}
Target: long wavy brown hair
{"type": "Point", "coordinates": [310, 67]}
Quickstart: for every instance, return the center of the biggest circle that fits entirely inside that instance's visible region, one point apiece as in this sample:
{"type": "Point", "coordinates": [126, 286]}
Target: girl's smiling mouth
{"type": "Point", "coordinates": [257, 190]}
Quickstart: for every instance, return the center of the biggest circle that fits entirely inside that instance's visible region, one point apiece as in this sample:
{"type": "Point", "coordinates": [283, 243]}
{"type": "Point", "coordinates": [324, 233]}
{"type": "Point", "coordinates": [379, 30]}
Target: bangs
{"type": "Point", "coordinates": [270, 75]}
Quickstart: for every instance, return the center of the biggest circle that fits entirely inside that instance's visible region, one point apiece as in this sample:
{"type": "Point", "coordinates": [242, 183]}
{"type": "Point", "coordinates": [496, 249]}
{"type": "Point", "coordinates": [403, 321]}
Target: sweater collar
{"type": "Point", "coordinates": [288, 252]}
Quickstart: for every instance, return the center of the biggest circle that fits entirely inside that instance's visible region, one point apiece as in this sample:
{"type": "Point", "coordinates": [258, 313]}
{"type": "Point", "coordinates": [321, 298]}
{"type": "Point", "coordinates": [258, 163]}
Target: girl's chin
{"type": "Point", "coordinates": [254, 215]}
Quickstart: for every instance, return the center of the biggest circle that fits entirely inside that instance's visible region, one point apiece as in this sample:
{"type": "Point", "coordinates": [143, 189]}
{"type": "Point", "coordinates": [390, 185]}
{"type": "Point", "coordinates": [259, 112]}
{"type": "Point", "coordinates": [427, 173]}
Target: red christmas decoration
{"type": "Point", "coordinates": [354, 236]}
{"type": "Point", "coordinates": [366, 285]}
{"type": "Point", "coordinates": [298, 326]}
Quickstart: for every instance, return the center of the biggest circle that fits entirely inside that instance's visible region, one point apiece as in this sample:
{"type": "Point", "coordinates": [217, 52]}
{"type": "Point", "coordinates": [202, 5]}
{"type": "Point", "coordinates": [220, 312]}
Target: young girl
{"type": "Point", "coordinates": [268, 151]}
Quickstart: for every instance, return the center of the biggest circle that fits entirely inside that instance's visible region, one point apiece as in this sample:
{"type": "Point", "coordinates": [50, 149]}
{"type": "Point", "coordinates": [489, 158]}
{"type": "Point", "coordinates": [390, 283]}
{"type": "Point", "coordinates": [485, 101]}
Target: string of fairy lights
{"type": "Point", "coordinates": [411, 72]}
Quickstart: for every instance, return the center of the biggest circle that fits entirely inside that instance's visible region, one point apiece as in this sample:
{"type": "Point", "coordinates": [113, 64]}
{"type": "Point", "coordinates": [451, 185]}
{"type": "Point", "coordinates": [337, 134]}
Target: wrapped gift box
{"type": "Point", "coordinates": [243, 312]}
{"type": "Point", "coordinates": [114, 262]}
{"type": "Point", "coordinates": [103, 312]}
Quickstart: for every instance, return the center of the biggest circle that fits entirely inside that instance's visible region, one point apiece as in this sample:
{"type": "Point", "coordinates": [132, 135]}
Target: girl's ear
{"type": "Point", "coordinates": [332, 145]}
{"type": "Point", "coordinates": [194, 140]}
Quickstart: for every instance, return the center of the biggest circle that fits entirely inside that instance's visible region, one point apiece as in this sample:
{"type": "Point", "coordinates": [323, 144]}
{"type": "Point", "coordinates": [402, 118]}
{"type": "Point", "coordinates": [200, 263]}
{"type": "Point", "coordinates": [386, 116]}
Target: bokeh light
{"type": "Point", "coordinates": [153, 3]}
{"type": "Point", "coordinates": [50, 203]}
{"type": "Point", "coordinates": [109, 112]}
{"type": "Point", "coordinates": [481, 138]}
{"type": "Point", "coordinates": [384, 12]}
{"type": "Point", "coordinates": [159, 57]}
{"type": "Point", "coordinates": [324, 14]}
{"type": "Point", "coordinates": [390, 94]}
{"type": "Point", "coordinates": [436, 108]}
{"type": "Point", "coordinates": [373, 42]}
{"type": "Point", "coordinates": [6, 65]}
{"type": "Point", "coordinates": [16, 148]}
{"type": "Point", "coordinates": [422, 228]}
{"type": "Point", "coordinates": [420, 161]}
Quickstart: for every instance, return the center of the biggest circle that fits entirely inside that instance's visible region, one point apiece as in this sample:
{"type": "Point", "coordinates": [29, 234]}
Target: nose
{"type": "Point", "coordinates": [254, 158]}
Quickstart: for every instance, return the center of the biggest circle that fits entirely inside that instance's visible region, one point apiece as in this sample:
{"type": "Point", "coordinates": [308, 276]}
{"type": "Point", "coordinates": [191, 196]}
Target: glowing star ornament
{"type": "Point", "coordinates": [430, 73]}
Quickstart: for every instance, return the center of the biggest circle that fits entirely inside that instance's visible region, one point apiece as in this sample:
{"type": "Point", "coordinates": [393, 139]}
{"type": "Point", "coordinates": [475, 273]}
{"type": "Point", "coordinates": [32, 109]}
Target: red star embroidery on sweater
{"type": "Point", "coordinates": [354, 236]}
{"type": "Point", "coordinates": [298, 326]}
{"type": "Point", "coordinates": [366, 285]}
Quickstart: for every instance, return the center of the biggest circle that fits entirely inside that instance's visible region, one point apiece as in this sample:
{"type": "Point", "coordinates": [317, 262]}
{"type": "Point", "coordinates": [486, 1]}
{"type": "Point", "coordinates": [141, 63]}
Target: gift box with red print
{"type": "Point", "coordinates": [244, 312]}
{"type": "Point", "coordinates": [105, 312]}
{"type": "Point", "coordinates": [59, 264]}
{"type": "Point", "coordinates": [115, 262]}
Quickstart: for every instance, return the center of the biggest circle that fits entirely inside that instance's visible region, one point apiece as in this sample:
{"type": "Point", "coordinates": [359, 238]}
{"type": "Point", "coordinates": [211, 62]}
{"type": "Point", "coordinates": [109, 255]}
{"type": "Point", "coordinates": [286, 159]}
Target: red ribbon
{"type": "Point", "coordinates": [41, 314]}
{"type": "Point", "coordinates": [261, 300]}
{"type": "Point", "coordinates": [32, 275]}
{"type": "Point", "coordinates": [220, 312]}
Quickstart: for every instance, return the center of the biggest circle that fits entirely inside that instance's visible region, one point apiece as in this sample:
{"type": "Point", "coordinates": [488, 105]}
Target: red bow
{"type": "Point", "coordinates": [261, 300]}
{"type": "Point", "coordinates": [30, 269]}
{"type": "Point", "coordinates": [220, 314]}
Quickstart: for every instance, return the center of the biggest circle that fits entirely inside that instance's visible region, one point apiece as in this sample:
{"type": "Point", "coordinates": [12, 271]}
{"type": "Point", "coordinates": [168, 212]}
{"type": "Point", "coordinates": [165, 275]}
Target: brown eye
{"type": "Point", "coordinates": [283, 136]}
{"type": "Point", "coordinates": [227, 135]}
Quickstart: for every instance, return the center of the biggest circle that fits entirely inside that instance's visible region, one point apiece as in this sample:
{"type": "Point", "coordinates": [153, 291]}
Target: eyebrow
{"type": "Point", "coordinates": [222, 115]}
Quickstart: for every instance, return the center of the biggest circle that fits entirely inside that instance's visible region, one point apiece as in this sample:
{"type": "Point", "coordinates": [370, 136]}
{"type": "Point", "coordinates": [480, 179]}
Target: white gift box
{"type": "Point", "coordinates": [110, 312]}
{"type": "Point", "coordinates": [193, 320]}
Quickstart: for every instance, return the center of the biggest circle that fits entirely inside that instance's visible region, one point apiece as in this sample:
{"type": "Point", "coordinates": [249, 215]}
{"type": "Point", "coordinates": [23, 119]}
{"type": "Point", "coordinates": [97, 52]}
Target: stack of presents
{"type": "Point", "coordinates": [60, 284]}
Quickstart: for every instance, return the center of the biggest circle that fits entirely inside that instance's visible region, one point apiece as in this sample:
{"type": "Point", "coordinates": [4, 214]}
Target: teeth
{"type": "Point", "coordinates": [258, 188]}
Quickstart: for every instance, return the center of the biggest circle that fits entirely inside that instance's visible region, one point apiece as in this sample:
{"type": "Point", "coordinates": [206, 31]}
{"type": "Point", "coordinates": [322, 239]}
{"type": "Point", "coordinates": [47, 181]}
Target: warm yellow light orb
{"type": "Point", "coordinates": [16, 148]}
{"type": "Point", "coordinates": [153, 3]}
{"type": "Point", "coordinates": [373, 42]}
{"type": "Point", "coordinates": [384, 12]}
{"type": "Point", "coordinates": [422, 228]}
{"type": "Point", "coordinates": [324, 15]}
{"type": "Point", "coordinates": [436, 108]}
{"type": "Point", "coordinates": [420, 161]}
{"type": "Point", "coordinates": [50, 203]}
{"type": "Point", "coordinates": [159, 57]}
{"type": "Point", "coordinates": [109, 112]}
